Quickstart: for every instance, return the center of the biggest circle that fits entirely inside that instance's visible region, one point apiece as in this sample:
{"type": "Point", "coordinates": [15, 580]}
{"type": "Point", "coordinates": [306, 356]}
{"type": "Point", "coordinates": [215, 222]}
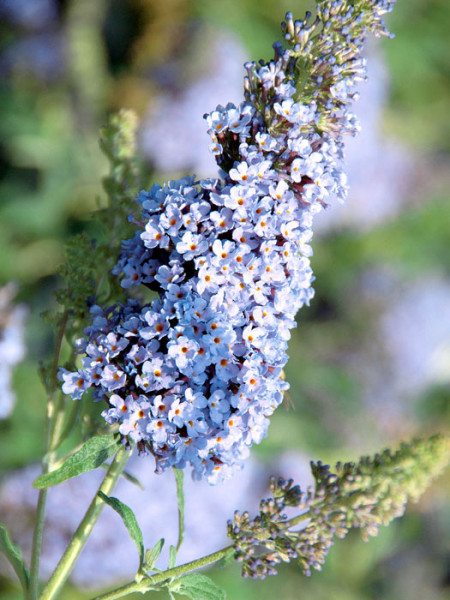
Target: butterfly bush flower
{"type": "Point", "coordinates": [193, 376]}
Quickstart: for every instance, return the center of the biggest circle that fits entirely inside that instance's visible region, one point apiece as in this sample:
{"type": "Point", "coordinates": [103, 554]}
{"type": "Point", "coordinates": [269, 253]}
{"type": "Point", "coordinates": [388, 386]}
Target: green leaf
{"type": "Point", "coordinates": [13, 554]}
{"type": "Point", "coordinates": [129, 520]}
{"type": "Point", "coordinates": [151, 556]}
{"type": "Point", "coordinates": [128, 477]}
{"type": "Point", "coordinates": [132, 479]}
{"type": "Point", "coordinates": [172, 557]}
{"type": "Point", "coordinates": [197, 587]}
{"type": "Point", "coordinates": [90, 456]}
{"type": "Point", "coordinates": [179, 478]}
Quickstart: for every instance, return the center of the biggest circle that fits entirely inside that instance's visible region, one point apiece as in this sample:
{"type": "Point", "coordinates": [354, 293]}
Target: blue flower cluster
{"type": "Point", "coordinates": [193, 376]}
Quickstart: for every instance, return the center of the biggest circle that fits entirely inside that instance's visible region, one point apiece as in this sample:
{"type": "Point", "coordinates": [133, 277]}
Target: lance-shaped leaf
{"type": "Point", "coordinates": [90, 456]}
{"type": "Point", "coordinates": [197, 587]}
{"type": "Point", "coordinates": [129, 520]}
{"type": "Point", "coordinates": [172, 557]}
{"type": "Point", "coordinates": [151, 556]}
{"type": "Point", "coordinates": [13, 554]}
{"type": "Point", "coordinates": [132, 479]}
{"type": "Point", "coordinates": [128, 476]}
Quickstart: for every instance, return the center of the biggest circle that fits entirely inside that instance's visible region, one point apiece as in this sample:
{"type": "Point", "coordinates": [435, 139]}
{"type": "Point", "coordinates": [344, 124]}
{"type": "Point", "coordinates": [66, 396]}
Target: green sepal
{"type": "Point", "coordinates": [129, 520]}
{"type": "Point", "coordinates": [197, 587]}
{"type": "Point", "coordinates": [90, 456]}
{"type": "Point", "coordinates": [13, 554]}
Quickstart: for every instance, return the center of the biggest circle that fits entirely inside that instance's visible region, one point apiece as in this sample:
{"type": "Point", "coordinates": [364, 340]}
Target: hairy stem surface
{"type": "Point", "coordinates": [154, 582]}
{"type": "Point", "coordinates": [53, 424]}
{"type": "Point", "coordinates": [81, 535]}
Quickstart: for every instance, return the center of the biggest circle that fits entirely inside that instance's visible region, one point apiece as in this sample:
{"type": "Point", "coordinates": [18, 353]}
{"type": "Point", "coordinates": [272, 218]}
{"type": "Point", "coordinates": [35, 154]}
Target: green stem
{"type": "Point", "coordinates": [266, 535]}
{"type": "Point", "coordinates": [81, 535]}
{"type": "Point", "coordinates": [52, 427]}
{"type": "Point", "coordinates": [179, 479]}
{"type": "Point", "coordinates": [297, 520]}
{"type": "Point", "coordinates": [153, 581]}
{"type": "Point", "coordinates": [37, 542]}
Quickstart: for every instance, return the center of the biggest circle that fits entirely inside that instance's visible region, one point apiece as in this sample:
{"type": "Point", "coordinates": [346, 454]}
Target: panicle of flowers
{"type": "Point", "coordinates": [194, 375]}
{"type": "Point", "coordinates": [265, 541]}
{"type": "Point", "coordinates": [361, 495]}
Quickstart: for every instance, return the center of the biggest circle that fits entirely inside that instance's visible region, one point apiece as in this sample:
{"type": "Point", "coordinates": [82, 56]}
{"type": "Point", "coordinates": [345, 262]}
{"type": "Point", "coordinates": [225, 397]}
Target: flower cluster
{"type": "Point", "coordinates": [194, 375]}
{"type": "Point", "coordinates": [265, 541]}
{"type": "Point", "coordinates": [362, 495]}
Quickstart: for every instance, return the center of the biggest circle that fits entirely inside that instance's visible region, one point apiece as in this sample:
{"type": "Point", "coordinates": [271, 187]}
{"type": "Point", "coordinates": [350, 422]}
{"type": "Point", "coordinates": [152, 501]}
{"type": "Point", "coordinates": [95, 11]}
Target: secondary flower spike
{"type": "Point", "coordinates": [193, 376]}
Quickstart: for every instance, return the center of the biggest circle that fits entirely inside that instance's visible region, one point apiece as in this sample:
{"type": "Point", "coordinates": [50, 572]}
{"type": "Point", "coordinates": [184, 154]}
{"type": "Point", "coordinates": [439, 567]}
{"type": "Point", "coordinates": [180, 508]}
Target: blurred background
{"type": "Point", "coordinates": [370, 358]}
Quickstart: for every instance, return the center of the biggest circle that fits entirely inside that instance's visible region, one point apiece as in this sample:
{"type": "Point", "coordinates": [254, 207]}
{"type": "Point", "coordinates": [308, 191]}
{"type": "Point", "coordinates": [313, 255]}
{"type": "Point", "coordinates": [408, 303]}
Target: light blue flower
{"type": "Point", "coordinates": [200, 368]}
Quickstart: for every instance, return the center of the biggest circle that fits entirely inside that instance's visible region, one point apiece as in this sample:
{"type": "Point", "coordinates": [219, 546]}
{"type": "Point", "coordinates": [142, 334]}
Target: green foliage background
{"type": "Point", "coordinates": [51, 167]}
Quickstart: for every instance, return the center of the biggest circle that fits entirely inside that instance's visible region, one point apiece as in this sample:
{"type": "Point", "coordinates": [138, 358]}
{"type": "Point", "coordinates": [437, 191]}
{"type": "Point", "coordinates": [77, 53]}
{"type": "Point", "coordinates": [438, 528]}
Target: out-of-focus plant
{"type": "Point", "coordinates": [182, 306]}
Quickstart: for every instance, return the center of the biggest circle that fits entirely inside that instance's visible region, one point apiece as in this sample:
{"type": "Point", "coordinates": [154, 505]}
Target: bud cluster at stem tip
{"type": "Point", "coordinates": [363, 495]}
{"type": "Point", "coordinates": [193, 376]}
